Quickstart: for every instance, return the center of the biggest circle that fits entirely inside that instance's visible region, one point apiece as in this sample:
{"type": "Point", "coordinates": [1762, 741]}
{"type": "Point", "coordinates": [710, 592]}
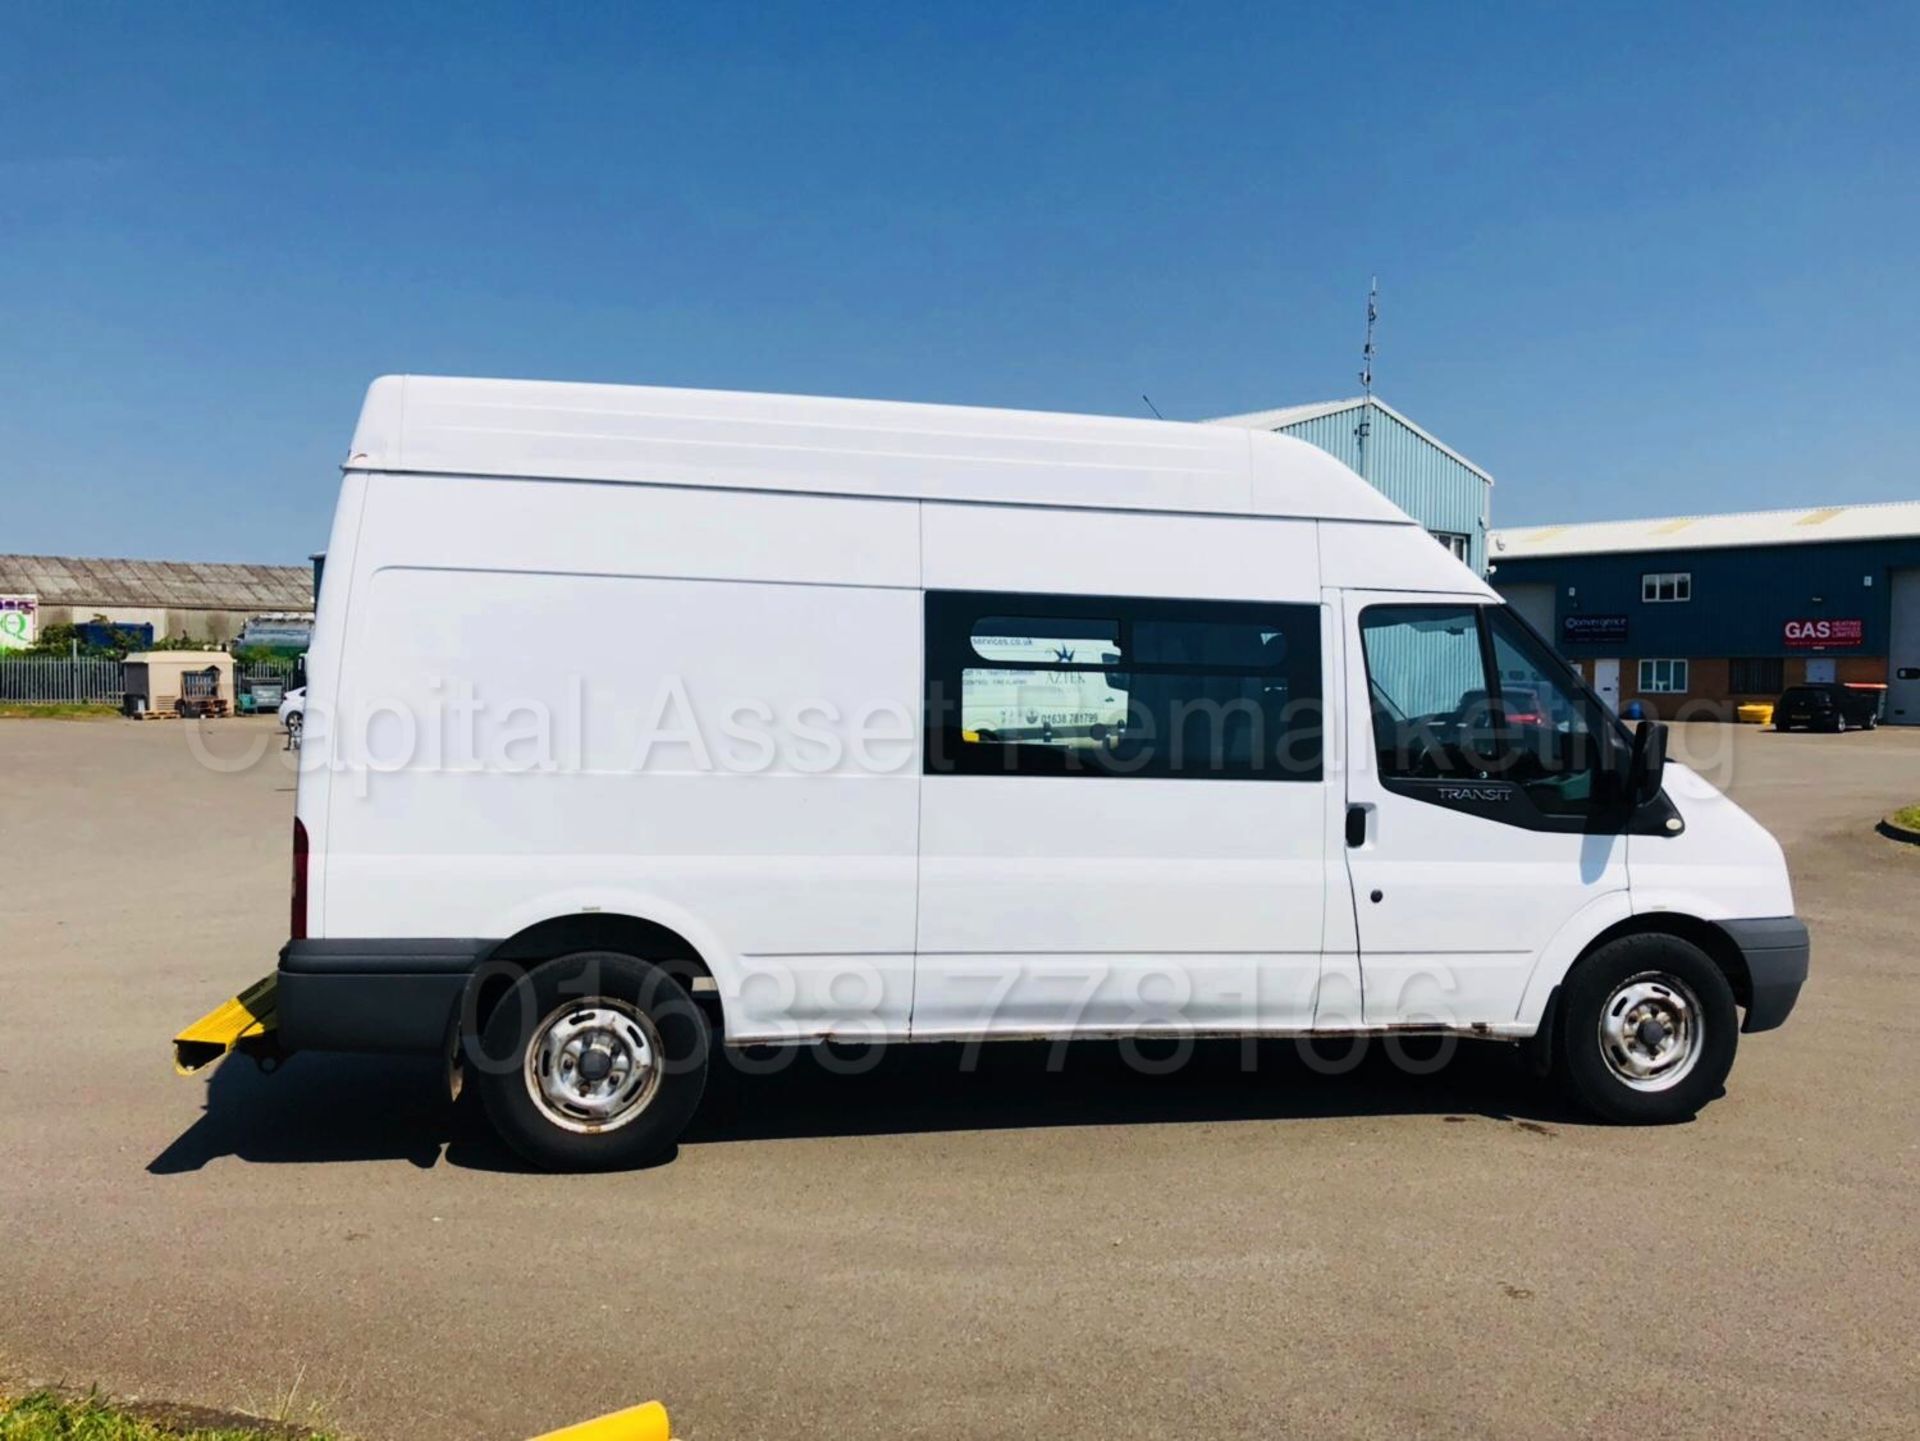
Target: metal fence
{"type": "Point", "coordinates": [56, 678]}
{"type": "Point", "coordinates": [92, 679]}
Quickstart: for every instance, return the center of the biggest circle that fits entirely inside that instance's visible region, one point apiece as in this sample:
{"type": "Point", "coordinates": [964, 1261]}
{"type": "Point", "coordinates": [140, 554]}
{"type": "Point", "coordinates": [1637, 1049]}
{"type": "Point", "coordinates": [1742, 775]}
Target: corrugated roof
{"type": "Point", "coordinates": [1799, 526]}
{"type": "Point", "coordinates": [1288, 415]}
{"type": "Point", "coordinates": [180, 585]}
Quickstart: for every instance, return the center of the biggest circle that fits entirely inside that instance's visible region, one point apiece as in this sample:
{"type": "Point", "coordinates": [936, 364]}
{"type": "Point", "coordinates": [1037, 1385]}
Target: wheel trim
{"type": "Point", "coordinates": [593, 1066]}
{"type": "Point", "coordinates": [1651, 1032]}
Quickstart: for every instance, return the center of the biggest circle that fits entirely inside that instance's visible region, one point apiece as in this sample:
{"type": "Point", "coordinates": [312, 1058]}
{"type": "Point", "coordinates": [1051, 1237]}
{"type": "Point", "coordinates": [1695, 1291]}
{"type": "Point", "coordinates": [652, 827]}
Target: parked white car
{"type": "Point", "coordinates": [657, 720]}
{"type": "Point", "coordinates": [293, 714]}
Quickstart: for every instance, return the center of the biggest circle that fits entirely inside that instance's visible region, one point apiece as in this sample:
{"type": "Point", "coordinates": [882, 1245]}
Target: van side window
{"type": "Point", "coordinates": [1427, 685]}
{"type": "Point", "coordinates": [1120, 686]}
{"type": "Point", "coordinates": [1468, 693]}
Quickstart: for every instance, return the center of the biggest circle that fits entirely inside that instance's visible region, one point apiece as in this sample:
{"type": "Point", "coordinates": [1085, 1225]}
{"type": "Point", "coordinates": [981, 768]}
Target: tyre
{"type": "Point", "coordinates": [1872, 722]}
{"type": "Point", "coordinates": [296, 722]}
{"type": "Point", "coordinates": [592, 1062]}
{"type": "Point", "coordinates": [1839, 725]}
{"type": "Point", "coordinates": [1647, 1030]}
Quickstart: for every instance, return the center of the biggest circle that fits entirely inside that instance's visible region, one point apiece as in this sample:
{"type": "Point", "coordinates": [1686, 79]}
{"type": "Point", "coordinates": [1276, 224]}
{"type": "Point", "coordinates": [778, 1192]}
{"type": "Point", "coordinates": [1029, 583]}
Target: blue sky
{"type": "Point", "coordinates": [1632, 261]}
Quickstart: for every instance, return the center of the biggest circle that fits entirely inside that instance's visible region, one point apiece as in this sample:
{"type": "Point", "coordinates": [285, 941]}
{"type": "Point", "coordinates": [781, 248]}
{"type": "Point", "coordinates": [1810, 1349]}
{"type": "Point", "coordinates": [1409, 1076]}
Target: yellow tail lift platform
{"type": "Point", "coordinates": [248, 1023]}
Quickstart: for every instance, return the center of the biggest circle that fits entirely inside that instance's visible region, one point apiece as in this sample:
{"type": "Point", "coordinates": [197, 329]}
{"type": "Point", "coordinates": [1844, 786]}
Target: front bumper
{"type": "Point", "coordinates": [373, 995]}
{"type": "Point", "coordinates": [1777, 950]}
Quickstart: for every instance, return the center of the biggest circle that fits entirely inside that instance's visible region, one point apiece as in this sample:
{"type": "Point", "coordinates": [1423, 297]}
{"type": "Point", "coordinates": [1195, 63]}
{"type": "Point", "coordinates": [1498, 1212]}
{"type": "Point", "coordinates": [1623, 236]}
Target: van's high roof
{"type": "Point", "coordinates": [647, 435]}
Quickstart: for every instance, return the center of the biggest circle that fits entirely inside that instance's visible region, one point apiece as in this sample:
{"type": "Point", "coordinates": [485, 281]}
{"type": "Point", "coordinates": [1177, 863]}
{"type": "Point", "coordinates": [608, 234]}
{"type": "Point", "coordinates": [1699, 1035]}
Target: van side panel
{"type": "Point", "coordinates": [332, 615]}
{"type": "Point", "coordinates": [1359, 555]}
{"type": "Point", "coordinates": [586, 528]}
{"type": "Point", "coordinates": [641, 701]}
{"type": "Point", "coordinates": [1093, 552]}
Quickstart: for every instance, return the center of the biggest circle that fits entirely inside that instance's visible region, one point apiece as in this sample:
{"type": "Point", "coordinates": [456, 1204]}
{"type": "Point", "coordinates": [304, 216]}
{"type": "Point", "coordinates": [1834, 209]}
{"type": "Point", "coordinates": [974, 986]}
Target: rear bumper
{"type": "Point", "coordinates": [1777, 950]}
{"type": "Point", "coordinates": [373, 995]}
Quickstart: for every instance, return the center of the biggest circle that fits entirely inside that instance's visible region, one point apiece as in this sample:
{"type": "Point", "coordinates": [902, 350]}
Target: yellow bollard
{"type": "Point", "coordinates": [646, 1422]}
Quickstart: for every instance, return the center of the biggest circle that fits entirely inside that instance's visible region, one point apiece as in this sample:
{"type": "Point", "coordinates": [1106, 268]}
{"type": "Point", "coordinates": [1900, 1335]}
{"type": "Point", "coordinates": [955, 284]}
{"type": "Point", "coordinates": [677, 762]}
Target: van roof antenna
{"type": "Point", "coordinates": [1151, 406]}
{"type": "Point", "coordinates": [1365, 427]}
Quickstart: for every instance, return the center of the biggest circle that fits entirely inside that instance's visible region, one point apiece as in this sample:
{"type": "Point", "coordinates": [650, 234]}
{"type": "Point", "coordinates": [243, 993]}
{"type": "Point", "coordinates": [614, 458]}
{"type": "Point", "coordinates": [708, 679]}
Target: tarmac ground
{"type": "Point", "coordinates": [921, 1251]}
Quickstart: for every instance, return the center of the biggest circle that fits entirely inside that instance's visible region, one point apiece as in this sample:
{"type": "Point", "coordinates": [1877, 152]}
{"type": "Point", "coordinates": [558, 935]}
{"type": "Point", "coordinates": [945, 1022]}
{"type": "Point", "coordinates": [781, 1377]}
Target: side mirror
{"type": "Point", "coordinates": [1649, 764]}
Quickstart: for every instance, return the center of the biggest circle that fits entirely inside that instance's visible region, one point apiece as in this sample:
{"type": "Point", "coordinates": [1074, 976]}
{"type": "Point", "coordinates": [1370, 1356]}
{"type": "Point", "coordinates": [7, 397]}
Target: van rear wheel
{"type": "Point", "coordinates": [1648, 1029]}
{"type": "Point", "coordinates": [593, 1062]}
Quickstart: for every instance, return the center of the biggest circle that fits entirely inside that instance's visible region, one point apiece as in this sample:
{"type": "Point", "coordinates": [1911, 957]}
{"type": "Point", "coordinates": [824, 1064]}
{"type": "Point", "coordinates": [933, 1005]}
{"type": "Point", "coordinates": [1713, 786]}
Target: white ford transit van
{"type": "Point", "coordinates": [641, 722]}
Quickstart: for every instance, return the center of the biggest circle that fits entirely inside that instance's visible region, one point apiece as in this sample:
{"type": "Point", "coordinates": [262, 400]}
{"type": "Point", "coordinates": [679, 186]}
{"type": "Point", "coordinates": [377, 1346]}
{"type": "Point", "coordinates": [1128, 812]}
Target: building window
{"type": "Point", "coordinates": [1458, 546]}
{"type": "Point", "coordinates": [1667, 585]}
{"type": "Point", "coordinates": [1663, 677]}
{"type": "Point", "coordinates": [1115, 686]}
{"type": "Point", "coordinates": [1758, 675]}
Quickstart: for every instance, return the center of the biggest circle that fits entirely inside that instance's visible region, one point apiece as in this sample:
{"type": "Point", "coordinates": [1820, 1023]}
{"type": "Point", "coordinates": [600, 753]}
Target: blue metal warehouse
{"type": "Point", "coordinates": [1436, 485]}
{"type": "Point", "coordinates": [1728, 608]}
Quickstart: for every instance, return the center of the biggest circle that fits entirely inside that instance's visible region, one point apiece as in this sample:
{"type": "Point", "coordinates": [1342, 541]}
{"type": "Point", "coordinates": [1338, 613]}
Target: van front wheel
{"type": "Point", "coordinates": [1648, 1030]}
{"type": "Point", "coordinates": [593, 1062]}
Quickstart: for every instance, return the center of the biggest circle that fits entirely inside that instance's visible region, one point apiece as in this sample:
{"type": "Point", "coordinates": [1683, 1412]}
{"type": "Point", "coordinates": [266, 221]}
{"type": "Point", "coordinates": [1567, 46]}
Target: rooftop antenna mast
{"type": "Point", "coordinates": [1365, 427]}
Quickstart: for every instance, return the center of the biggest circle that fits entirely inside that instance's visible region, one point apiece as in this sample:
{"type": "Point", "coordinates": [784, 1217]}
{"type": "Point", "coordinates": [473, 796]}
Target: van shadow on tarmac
{"type": "Point", "coordinates": [324, 1107]}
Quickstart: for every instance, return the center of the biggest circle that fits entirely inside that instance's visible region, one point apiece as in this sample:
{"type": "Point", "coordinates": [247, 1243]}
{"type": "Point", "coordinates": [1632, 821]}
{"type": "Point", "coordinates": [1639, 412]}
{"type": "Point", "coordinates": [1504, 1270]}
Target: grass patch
{"type": "Point", "coordinates": [47, 1417]}
{"type": "Point", "coordinates": [1908, 817]}
{"type": "Point", "coordinates": [55, 710]}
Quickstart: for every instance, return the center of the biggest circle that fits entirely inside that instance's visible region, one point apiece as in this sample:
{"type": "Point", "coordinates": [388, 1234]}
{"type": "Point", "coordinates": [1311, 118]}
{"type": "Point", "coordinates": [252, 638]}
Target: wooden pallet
{"type": "Point", "coordinates": [217, 711]}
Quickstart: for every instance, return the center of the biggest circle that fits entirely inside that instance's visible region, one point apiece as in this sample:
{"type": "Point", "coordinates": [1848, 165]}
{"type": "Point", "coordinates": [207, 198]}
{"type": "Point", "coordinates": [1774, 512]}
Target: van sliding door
{"type": "Point", "coordinates": [1123, 815]}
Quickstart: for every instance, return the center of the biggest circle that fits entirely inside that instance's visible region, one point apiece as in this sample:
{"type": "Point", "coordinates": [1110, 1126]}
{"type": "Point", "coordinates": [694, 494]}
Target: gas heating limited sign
{"type": "Point", "coordinates": [1819, 634]}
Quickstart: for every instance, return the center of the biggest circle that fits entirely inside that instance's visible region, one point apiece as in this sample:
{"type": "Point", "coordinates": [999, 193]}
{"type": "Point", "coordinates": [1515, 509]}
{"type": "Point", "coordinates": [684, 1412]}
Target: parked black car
{"type": "Point", "coordinates": [1826, 707]}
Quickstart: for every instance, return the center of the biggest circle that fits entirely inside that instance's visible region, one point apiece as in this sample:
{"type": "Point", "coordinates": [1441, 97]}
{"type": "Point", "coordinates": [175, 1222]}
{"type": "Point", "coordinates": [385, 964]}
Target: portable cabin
{"type": "Point", "coordinates": [191, 682]}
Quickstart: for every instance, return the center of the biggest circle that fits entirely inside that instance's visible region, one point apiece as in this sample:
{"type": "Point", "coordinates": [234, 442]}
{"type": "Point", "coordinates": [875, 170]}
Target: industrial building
{"type": "Point", "coordinates": [1721, 609]}
{"type": "Point", "coordinates": [178, 599]}
{"type": "Point", "coordinates": [1429, 480]}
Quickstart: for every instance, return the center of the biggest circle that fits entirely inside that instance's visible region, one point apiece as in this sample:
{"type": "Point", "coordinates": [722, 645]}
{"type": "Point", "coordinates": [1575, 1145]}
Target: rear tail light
{"type": "Point", "coordinates": [298, 926]}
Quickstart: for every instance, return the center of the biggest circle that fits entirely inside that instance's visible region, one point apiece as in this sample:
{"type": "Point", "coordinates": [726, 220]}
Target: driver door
{"type": "Point", "coordinates": [1474, 788]}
